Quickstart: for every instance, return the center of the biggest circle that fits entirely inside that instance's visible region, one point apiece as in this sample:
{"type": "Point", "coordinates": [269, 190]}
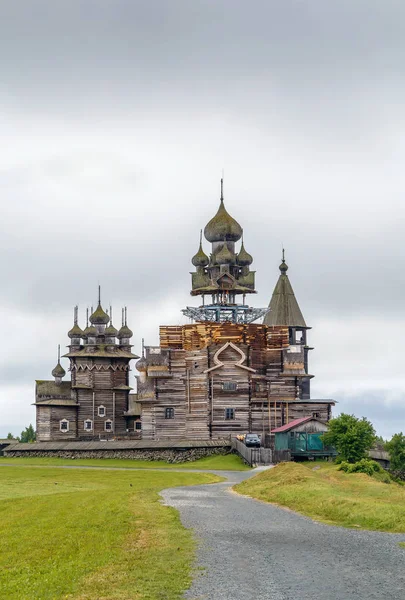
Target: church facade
{"type": "Point", "coordinates": [222, 374]}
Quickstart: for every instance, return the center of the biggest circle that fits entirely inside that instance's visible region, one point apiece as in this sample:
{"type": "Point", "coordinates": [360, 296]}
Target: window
{"type": "Point", "coordinates": [64, 425]}
{"type": "Point", "coordinates": [257, 387]}
{"type": "Point", "coordinates": [108, 425]}
{"type": "Point", "coordinates": [101, 411]}
{"type": "Point", "coordinates": [138, 425]}
{"type": "Point", "coordinates": [229, 414]}
{"type": "Point", "coordinates": [229, 386]}
{"type": "Point", "coordinates": [316, 415]}
{"type": "Point", "coordinates": [169, 413]}
{"type": "Point", "coordinates": [88, 425]}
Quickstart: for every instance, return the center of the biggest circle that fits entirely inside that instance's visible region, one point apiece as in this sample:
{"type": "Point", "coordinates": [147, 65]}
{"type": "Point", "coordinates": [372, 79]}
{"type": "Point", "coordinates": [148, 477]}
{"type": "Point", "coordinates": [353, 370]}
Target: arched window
{"type": "Point", "coordinates": [64, 425]}
{"type": "Point", "coordinates": [88, 425]}
{"type": "Point", "coordinates": [101, 411]}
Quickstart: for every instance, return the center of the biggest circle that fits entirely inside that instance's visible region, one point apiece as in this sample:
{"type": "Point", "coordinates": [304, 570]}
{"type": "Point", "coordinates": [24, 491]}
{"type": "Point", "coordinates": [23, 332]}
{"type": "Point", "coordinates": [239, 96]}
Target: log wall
{"type": "Point", "coordinates": [194, 364]}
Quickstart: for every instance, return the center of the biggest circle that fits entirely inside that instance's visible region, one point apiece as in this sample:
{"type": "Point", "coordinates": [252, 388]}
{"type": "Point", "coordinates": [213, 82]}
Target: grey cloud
{"type": "Point", "coordinates": [117, 119]}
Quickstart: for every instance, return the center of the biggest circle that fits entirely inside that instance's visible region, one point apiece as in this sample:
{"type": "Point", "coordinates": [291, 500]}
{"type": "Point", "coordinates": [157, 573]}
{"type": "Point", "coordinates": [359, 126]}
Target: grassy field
{"type": "Point", "coordinates": [228, 462]}
{"type": "Point", "coordinates": [92, 534]}
{"type": "Point", "coordinates": [331, 496]}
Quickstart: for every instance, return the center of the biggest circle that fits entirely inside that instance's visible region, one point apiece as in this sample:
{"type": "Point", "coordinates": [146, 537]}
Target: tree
{"type": "Point", "coordinates": [10, 436]}
{"type": "Point", "coordinates": [28, 435]}
{"type": "Point", "coordinates": [396, 449]}
{"type": "Point", "coordinates": [352, 437]}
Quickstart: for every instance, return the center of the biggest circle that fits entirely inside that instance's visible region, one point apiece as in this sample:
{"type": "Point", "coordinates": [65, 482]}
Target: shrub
{"type": "Point", "coordinates": [370, 467]}
{"type": "Point", "coordinates": [352, 437]}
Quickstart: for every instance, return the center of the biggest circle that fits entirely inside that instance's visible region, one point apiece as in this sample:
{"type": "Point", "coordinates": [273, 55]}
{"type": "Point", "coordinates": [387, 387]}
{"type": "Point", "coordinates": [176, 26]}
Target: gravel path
{"type": "Point", "coordinates": [249, 549]}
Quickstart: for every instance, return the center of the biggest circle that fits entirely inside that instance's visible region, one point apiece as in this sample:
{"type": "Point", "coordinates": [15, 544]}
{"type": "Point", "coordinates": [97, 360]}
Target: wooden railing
{"type": "Point", "coordinates": [260, 456]}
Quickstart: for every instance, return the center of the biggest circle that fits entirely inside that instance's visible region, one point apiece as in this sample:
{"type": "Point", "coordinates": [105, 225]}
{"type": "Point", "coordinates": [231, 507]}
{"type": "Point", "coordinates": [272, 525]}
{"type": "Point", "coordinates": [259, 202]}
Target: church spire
{"type": "Point", "coordinates": [284, 308]}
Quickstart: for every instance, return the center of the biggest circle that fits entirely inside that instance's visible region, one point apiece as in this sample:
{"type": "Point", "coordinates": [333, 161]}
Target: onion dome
{"type": "Point", "coordinates": [244, 258]}
{"type": "Point", "coordinates": [223, 226]}
{"type": "Point", "coordinates": [75, 332]}
{"type": "Point", "coordinates": [124, 332]}
{"type": "Point", "coordinates": [283, 267]}
{"type": "Point", "coordinates": [224, 256]}
{"type": "Point", "coordinates": [90, 331]}
{"type": "Point", "coordinates": [58, 371]}
{"type": "Point", "coordinates": [200, 259]}
{"type": "Point", "coordinates": [111, 330]}
{"type": "Point", "coordinates": [99, 317]}
{"type": "Point", "coordinates": [141, 365]}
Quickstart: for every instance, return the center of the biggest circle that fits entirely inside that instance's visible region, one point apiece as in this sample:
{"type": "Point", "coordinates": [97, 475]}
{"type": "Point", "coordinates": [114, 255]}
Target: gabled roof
{"type": "Point", "coordinates": [284, 309]}
{"type": "Point", "coordinates": [293, 424]}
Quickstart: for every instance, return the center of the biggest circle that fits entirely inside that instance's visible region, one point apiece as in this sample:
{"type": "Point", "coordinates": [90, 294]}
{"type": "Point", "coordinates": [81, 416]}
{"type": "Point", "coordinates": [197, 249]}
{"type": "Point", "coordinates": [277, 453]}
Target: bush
{"type": "Point", "coordinates": [370, 467]}
{"type": "Point", "coordinates": [352, 437]}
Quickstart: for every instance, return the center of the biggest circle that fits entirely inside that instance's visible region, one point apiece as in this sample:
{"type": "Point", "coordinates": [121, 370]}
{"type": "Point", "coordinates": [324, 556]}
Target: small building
{"type": "Point", "coordinates": [303, 438]}
{"type": "Point", "coordinates": [5, 443]}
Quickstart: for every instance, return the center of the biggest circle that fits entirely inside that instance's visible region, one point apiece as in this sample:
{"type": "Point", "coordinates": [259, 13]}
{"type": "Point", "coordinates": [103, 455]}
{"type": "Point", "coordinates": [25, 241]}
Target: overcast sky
{"type": "Point", "coordinates": [117, 118]}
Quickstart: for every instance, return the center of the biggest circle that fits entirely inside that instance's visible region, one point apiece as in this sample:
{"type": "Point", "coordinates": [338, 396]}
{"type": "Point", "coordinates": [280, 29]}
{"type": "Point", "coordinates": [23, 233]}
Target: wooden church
{"type": "Point", "coordinates": [222, 374]}
{"type": "Point", "coordinates": [95, 404]}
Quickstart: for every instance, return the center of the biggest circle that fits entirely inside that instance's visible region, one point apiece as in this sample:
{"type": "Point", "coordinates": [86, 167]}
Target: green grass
{"type": "Point", "coordinates": [92, 534]}
{"type": "Point", "coordinates": [331, 496]}
{"type": "Point", "coordinates": [227, 462]}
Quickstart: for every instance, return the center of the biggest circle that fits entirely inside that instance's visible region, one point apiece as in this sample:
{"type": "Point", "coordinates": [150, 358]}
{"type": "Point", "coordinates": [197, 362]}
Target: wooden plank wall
{"type": "Point", "coordinates": [197, 416]}
{"type": "Point", "coordinates": [63, 412]}
{"type": "Point", "coordinates": [43, 423]}
{"type": "Point", "coordinates": [222, 399]}
{"type": "Point", "coordinates": [200, 335]}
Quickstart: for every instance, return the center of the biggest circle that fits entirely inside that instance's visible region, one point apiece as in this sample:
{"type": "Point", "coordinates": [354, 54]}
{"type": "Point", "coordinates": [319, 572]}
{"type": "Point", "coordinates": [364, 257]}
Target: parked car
{"type": "Point", "coordinates": [252, 440]}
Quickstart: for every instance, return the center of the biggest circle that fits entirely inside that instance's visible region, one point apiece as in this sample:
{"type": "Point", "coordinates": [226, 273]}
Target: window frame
{"type": "Point", "coordinates": [136, 428]}
{"type": "Point", "coordinates": [109, 422]}
{"type": "Point", "coordinates": [229, 411]}
{"type": "Point", "coordinates": [169, 412]}
{"type": "Point", "coordinates": [229, 386]}
{"type": "Point", "coordinates": [64, 421]}
{"type": "Point", "coordinates": [88, 428]}
{"type": "Point", "coordinates": [104, 411]}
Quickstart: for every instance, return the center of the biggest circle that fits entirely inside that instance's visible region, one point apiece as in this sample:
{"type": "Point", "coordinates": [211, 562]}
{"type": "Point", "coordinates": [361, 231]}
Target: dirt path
{"type": "Point", "coordinates": [249, 549]}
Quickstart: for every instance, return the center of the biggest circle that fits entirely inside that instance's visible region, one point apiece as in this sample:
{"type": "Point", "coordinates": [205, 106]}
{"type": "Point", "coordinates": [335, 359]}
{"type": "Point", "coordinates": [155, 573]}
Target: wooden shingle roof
{"type": "Point", "coordinates": [51, 389]}
{"type": "Point", "coordinates": [284, 309]}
